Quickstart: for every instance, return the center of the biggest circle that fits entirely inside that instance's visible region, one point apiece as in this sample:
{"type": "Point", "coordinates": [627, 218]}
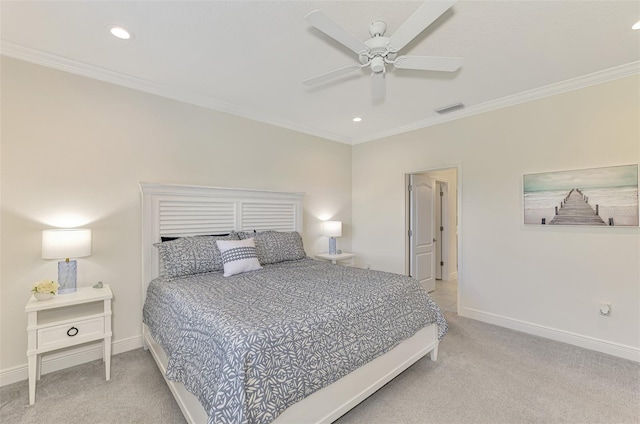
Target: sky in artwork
{"type": "Point", "coordinates": [614, 176]}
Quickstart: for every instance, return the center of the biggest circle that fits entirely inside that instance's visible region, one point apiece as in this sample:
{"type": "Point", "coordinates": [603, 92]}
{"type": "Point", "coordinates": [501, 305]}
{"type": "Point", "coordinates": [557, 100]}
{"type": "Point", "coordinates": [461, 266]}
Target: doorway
{"type": "Point", "coordinates": [422, 230]}
{"type": "Point", "coordinates": [440, 221]}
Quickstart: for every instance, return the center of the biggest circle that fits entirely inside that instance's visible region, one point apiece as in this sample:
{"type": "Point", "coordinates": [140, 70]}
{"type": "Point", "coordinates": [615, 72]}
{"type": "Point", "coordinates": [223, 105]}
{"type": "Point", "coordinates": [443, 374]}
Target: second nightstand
{"type": "Point", "coordinates": [71, 321]}
{"type": "Point", "coordinates": [347, 259]}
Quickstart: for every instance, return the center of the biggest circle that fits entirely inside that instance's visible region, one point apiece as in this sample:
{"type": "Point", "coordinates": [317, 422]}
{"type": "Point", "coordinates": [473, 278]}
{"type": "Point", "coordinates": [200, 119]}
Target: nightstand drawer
{"type": "Point", "coordinates": [71, 333]}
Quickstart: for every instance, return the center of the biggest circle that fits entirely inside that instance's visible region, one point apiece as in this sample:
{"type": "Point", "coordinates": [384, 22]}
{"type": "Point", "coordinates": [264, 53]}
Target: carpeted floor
{"type": "Point", "coordinates": [136, 393]}
{"type": "Point", "coordinates": [484, 374]}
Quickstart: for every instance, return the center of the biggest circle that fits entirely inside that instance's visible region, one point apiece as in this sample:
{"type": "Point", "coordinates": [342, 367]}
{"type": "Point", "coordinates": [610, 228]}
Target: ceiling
{"type": "Point", "coordinates": [249, 57]}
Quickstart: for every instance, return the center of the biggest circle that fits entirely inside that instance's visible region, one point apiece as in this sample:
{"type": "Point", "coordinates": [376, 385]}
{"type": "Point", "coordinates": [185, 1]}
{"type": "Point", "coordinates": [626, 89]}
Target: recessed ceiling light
{"type": "Point", "coordinates": [120, 32]}
{"type": "Point", "coordinates": [636, 25]}
{"type": "Point", "coordinates": [357, 119]}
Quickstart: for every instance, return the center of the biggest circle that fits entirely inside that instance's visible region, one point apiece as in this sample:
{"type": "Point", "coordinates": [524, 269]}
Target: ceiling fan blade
{"type": "Point", "coordinates": [428, 63]}
{"type": "Point", "coordinates": [378, 86]}
{"type": "Point", "coordinates": [330, 75]}
{"type": "Point", "coordinates": [333, 30]}
{"type": "Point", "coordinates": [424, 16]}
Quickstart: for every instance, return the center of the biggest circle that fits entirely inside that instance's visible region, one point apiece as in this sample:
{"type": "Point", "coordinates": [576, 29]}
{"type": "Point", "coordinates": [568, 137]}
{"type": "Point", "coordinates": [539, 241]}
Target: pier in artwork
{"type": "Point", "coordinates": [575, 210]}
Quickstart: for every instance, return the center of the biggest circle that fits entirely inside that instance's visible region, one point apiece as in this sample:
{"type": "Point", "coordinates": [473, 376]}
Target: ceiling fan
{"type": "Point", "coordinates": [379, 51]}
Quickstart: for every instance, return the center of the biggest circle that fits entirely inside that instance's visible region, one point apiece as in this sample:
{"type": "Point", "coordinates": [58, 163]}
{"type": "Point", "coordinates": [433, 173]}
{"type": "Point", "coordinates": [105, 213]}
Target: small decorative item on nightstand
{"type": "Point", "coordinates": [45, 289]}
{"type": "Point", "coordinates": [43, 296]}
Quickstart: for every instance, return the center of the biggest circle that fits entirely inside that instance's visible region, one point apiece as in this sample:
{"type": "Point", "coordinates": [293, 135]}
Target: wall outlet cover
{"type": "Point", "coordinates": [605, 308]}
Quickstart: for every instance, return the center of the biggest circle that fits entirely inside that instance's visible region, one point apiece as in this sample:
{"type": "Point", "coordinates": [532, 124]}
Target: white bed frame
{"type": "Point", "coordinates": [178, 210]}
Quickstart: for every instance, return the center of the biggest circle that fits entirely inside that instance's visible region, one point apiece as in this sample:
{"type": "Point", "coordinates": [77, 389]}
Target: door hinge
{"type": "Point", "coordinates": [441, 228]}
{"type": "Point", "coordinates": [410, 233]}
{"type": "Point", "coordinates": [441, 193]}
{"type": "Point", "coordinates": [441, 263]}
{"type": "Point", "coordinates": [409, 187]}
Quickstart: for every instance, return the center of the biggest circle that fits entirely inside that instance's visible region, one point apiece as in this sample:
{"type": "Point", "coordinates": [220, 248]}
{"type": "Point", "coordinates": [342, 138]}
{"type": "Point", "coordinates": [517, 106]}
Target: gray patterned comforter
{"type": "Point", "coordinates": [250, 345]}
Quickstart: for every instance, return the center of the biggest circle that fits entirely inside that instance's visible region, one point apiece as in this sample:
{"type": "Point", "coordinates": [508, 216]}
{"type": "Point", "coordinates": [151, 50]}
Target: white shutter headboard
{"type": "Point", "coordinates": [180, 210]}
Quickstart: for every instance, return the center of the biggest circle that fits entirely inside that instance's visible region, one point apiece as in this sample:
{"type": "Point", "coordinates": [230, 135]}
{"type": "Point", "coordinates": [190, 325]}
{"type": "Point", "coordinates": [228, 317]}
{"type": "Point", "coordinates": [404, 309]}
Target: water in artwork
{"type": "Point", "coordinates": [618, 203]}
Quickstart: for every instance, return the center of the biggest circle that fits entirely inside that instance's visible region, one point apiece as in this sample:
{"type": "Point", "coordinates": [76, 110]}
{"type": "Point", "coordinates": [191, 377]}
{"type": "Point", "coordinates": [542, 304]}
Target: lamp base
{"type": "Point", "coordinates": [332, 246]}
{"type": "Point", "coordinates": [67, 271]}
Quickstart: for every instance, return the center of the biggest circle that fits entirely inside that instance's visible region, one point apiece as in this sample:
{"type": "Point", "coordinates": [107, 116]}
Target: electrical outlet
{"type": "Point", "coordinates": [605, 308]}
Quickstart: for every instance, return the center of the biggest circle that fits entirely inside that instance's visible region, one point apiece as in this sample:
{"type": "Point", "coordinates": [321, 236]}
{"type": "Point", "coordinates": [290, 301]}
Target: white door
{"type": "Point", "coordinates": [421, 236]}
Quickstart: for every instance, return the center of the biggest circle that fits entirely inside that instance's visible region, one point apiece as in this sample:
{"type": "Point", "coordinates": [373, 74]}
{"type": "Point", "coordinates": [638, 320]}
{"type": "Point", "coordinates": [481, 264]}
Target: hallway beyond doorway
{"type": "Point", "coordinates": [446, 295]}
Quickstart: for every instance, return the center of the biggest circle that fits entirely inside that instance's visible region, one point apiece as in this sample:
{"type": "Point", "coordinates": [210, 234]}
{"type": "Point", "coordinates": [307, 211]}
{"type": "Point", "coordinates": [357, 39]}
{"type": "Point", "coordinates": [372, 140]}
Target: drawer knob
{"type": "Point", "coordinates": [72, 331]}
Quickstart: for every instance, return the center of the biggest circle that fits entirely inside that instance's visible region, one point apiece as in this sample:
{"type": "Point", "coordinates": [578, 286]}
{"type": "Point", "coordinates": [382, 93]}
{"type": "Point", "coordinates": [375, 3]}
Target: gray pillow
{"type": "Point", "coordinates": [276, 246]}
{"type": "Point", "coordinates": [191, 255]}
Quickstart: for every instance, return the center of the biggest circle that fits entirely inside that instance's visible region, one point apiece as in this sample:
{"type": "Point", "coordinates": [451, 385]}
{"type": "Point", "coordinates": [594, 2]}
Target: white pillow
{"type": "Point", "coordinates": [238, 256]}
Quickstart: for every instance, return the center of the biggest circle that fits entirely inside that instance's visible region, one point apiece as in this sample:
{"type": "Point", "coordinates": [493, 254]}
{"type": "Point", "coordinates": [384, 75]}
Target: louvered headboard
{"type": "Point", "coordinates": [179, 210]}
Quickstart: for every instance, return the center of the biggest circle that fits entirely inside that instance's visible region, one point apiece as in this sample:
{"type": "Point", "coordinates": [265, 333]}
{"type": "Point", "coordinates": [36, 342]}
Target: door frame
{"type": "Point", "coordinates": [443, 239]}
{"type": "Point", "coordinates": [407, 226]}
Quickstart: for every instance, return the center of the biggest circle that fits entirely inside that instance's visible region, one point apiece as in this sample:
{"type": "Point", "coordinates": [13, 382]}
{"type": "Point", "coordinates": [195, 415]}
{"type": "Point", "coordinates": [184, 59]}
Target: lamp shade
{"type": "Point", "coordinates": [332, 228]}
{"type": "Point", "coordinates": [59, 243]}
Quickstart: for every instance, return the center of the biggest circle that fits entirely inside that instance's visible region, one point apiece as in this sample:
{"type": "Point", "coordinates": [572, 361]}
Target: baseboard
{"type": "Point", "coordinates": [599, 345]}
{"type": "Point", "coordinates": [69, 358]}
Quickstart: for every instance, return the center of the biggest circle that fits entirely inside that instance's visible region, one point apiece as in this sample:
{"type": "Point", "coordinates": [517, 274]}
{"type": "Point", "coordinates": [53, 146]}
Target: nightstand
{"type": "Point", "coordinates": [346, 259]}
{"type": "Point", "coordinates": [67, 320]}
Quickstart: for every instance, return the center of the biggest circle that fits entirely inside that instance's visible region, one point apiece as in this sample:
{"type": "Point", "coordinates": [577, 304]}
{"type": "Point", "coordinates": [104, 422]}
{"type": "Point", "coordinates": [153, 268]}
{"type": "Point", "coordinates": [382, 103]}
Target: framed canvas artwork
{"type": "Point", "coordinates": [596, 196]}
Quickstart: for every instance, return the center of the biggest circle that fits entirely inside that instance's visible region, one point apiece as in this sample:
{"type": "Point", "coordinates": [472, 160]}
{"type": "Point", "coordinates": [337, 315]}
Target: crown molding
{"type": "Point", "coordinates": [61, 63]}
{"type": "Point", "coordinates": [39, 57]}
{"type": "Point", "coordinates": [599, 77]}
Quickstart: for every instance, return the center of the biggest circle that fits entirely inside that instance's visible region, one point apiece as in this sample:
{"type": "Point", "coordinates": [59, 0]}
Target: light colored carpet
{"type": "Point", "coordinates": [484, 375]}
{"type": "Point", "coordinates": [490, 375]}
{"type": "Point", "coordinates": [136, 393]}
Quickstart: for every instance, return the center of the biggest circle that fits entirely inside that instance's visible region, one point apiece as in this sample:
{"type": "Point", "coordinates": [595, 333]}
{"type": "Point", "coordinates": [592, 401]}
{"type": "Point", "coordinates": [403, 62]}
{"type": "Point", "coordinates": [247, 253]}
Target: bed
{"type": "Point", "coordinates": [296, 341]}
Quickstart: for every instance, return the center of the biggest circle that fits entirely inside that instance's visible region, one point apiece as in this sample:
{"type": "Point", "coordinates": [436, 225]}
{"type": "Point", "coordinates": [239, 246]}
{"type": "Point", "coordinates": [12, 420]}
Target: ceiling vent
{"type": "Point", "coordinates": [450, 108]}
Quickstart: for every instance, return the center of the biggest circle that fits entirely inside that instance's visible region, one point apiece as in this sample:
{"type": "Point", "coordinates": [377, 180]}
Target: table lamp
{"type": "Point", "coordinates": [65, 244]}
{"type": "Point", "coordinates": [332, 229]}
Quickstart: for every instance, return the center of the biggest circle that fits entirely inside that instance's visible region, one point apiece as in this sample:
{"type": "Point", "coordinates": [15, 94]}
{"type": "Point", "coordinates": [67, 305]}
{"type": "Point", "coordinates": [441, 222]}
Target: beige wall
{"type": "Point", "coordinates": [73, 152]}
{"type": "Point", "coordinates": [543, 280]}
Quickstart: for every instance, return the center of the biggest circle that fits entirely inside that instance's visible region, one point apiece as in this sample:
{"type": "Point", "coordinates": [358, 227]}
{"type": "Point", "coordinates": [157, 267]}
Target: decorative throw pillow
{"type": "Point", "coordinates": [191, 255]}
{"type": "Point", "coordinates": [276, 246]}
{"type": "Point", "coordinates": [238, 256]}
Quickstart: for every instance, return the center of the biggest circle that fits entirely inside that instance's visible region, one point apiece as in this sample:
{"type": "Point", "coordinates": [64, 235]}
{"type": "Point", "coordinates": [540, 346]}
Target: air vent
{"type": "Point", "coordinates": [449, 108]}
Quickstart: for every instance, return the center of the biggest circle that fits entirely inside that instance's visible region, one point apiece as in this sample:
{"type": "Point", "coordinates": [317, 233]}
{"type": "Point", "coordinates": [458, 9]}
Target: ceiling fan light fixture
{"type": "Point", "coordinates": [380, 50]}
{"type": "Point", "coordinates": [357, 119]}
{"type": "Point", "coordinates": [636, 25]}
{"type": "Point", "coordinates": [120, 32]}
{"type": "Point", "coordinates": [377, 64]}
